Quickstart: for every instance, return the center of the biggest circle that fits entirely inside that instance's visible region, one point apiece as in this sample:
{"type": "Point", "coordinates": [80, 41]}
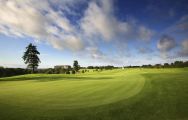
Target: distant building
{"type": "Point", "coordinates": [62, 67]}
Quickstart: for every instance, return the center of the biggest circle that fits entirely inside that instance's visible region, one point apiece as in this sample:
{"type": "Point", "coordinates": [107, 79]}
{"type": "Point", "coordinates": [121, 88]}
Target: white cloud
{"type": "Point", "coordinates": [22, 19]}
{"type": "Point", "coordinates": [74, 43]}
{"type": "Point", "coordinates": [59, 20]}
{"type": "Point", "coordinates": [56, 42]}
{"type": "Point", "coordinates": [95, 53]}
{"type": "Point", "coordinates": [39, 20]}
{"type": "Point", "coordinates": [99, 20]}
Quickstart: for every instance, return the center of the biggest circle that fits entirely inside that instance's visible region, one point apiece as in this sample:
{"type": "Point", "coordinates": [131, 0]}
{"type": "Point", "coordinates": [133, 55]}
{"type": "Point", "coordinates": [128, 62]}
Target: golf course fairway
{"type": "Point", "coordinates": [129, 94]}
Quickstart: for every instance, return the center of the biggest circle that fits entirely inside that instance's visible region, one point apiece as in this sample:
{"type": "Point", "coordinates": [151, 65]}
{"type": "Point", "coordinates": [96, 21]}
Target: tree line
{"type": "Point", "coordinates": [176, 64]}
{"type": "Point", "coordinates": [32, 60]}
{"type": "Point", "coordinates": [7, 72]}
{"type": "Point", "coordinates": [108, 67]}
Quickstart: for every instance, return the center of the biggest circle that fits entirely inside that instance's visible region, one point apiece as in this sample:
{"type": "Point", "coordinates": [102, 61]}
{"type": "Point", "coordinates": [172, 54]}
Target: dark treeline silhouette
{"type": "Point", "coordinates": [56, 71]}
{"type": "Point", "coordinates": [7, 72]}
{"type": "Point", "coordinates": [176, 64]}
{"type": "Point", "coordinates": [108, 67]}
{"type": "Point", "coordinates": [60, 71]}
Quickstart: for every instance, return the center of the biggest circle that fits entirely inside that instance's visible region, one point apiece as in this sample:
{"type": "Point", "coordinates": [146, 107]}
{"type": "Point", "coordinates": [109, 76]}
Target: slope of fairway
{"type": "Point", "coordinates": [133, 94]}
{"type": "Point", "coordinates": [69, 91]}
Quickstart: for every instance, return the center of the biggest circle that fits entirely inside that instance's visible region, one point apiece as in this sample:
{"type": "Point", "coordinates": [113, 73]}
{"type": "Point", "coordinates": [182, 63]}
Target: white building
{"type": "Point", "coordinates": [62, 67]}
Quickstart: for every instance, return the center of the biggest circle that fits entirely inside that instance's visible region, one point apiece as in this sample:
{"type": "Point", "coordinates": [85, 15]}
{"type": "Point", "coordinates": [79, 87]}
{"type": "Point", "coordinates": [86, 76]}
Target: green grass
{"type": "Point", "coordinates": [131, 94]}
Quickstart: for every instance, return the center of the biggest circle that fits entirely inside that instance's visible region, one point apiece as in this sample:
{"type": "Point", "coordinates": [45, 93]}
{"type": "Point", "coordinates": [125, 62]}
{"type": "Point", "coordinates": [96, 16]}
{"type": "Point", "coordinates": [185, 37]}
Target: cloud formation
{"type": "Point", "coordinates": [40, 20]}
{"type": "Point", "coordinates": [20, 19]}
{"type": "Point", "coordinates": [165, 45]}
{"type": "Point", "coordinates": [99, 20]}
{"type": "Point", "coordinates": [184, 49]}
{"type": "Point", "coordinates": [180, 27]}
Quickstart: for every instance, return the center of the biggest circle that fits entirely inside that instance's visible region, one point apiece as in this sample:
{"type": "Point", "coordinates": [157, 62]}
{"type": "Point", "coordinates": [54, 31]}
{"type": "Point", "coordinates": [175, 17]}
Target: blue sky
{"type": "Point", "coordinates": [94, 32]}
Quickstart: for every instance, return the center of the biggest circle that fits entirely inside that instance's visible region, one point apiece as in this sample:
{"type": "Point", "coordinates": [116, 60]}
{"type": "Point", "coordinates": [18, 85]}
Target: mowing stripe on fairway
{"type": "Point", "coordinates": [69, 91]}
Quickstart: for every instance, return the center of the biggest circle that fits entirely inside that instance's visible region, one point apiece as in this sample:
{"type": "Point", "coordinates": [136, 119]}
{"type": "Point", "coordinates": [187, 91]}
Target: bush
{"type": "Point", "coordinates": [7, 72]}
{"type": "Point", "coordinates": [62, 71]}
{"type": "Point", "coordinates": [67, 72]}
{"type": "Point", "coordinates": [49, 71]}
{"type": "Point", "coordinates": [2, 72]}
{"type": "Point", "coordinates": [73, 72]}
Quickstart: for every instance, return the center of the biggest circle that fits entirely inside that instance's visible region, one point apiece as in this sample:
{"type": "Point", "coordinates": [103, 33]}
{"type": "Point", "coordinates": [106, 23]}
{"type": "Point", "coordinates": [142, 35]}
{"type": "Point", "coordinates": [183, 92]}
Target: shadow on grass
{"type": "Point", "coordinates": [53, 78]}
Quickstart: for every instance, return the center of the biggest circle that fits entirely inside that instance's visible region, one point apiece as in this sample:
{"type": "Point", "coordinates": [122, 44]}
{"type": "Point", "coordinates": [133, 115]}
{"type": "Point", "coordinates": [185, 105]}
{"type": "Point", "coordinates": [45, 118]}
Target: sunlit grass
{"type": "Point", "coordinates": [141, 94]}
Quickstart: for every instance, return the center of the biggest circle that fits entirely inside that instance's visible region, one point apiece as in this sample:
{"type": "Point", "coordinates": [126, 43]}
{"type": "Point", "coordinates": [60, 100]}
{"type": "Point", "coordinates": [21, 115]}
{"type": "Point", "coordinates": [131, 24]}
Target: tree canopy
{"type": "Point", "coordinates": [76, 66]}
{"type": "Point", "coordinates": [31, 58]}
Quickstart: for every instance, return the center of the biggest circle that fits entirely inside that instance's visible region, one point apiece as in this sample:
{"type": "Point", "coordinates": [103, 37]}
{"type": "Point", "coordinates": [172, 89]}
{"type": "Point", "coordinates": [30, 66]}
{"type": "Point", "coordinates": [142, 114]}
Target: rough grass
{"type": "Point", "coordinates": [132, 94]}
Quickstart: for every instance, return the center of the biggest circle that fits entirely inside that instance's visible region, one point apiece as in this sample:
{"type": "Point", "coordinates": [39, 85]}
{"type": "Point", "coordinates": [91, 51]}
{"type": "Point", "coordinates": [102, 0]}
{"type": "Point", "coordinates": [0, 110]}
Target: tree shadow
{"type": "Point", "coordinates": [53, 78]}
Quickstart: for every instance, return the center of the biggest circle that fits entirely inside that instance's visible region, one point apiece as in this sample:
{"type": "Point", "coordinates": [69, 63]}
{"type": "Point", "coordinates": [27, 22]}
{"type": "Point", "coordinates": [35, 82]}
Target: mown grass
{"type": "Point", "coordinates": [132, 94]}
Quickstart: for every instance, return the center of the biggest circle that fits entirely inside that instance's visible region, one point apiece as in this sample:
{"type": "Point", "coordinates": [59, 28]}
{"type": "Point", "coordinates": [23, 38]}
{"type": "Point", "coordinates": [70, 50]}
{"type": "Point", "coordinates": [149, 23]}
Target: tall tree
{"type": "Point", "coordinates": [31, 58]}
{"type": "Point", "coordinates": [76, 66]}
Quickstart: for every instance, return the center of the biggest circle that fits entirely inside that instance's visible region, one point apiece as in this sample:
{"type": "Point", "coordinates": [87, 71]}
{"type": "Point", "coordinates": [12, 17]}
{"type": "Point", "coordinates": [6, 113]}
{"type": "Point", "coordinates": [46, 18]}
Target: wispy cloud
{"type": "Point", "coordinates": [47, 21]}
{"type": "Point", "coordinates": [41, 22]}
{"type": "Point", "coordinates": [99, 20]}
{"type": "Point", "coordinates": [179, 27]}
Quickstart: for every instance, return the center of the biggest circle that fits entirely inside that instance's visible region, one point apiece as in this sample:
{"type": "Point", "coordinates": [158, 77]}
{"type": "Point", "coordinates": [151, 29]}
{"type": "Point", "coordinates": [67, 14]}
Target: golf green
{"type": "Point", "coordinates": [131, 94]}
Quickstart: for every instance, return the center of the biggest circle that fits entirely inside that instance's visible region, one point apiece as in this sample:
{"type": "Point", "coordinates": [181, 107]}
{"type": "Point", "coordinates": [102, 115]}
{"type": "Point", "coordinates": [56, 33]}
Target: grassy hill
{"type": "Point", "coordinates": [130, 94]}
